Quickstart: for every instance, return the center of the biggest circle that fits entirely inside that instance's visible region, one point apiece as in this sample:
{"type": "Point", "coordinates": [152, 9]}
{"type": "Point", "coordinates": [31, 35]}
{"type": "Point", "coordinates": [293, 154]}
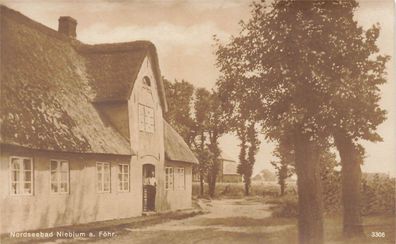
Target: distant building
{"type": "Point", "coordinates": [83, 137]}
{"type": "Point", "coordinates": [265, 175]}
{"type": "Point", "coordinates": [227, 171]}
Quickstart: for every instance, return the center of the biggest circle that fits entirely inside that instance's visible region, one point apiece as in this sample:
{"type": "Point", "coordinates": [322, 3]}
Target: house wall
{"type": "Point", "coordinates": [180, 198]}
{"type": "Point", "coordinates": [228, 174]}
{"type": "Point", "coordinates": [149, 146]}
{"type": "Point", "coordinates": [82, 204]}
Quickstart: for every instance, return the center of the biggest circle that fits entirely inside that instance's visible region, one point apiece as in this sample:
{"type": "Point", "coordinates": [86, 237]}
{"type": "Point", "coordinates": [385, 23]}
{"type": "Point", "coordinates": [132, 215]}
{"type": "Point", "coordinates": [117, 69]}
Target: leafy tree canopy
{"type": "Point", "coordinates": [306, 66]}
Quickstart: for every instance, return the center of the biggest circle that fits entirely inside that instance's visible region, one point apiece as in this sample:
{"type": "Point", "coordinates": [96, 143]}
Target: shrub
{"type": "Point", "coordinates": [238, 189]}
{"type": "Point", "coordinates": [378, 195]}
{"type": "Point", "coordinates": [287, 207]}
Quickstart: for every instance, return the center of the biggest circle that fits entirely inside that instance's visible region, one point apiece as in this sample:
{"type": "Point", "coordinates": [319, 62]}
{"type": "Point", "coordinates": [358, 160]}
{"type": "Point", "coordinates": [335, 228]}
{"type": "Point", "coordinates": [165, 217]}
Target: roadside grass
{"type": "Point", "coordinates": [245, 221]}
{"type": "Point", "coordinates": [333, 230]}
{"type": "Point", "coordinates": [285, 210]}
{"type": "Point", "coordinates": [379, 223]}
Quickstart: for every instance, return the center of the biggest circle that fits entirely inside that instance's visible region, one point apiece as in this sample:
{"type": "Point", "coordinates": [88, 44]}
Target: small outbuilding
{"type": "Point", "coordinates": [228, 170]}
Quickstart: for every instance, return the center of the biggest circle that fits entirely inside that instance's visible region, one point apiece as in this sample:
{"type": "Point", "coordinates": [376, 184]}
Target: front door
{"type": "Point", "coordinates": [149, 188]}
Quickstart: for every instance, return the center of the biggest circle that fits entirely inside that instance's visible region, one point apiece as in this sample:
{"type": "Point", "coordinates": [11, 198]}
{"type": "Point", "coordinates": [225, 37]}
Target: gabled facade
{"type": "Point", "coordinates": [82, 130]}
{"type": "Point", "coordinates": [228, 170]}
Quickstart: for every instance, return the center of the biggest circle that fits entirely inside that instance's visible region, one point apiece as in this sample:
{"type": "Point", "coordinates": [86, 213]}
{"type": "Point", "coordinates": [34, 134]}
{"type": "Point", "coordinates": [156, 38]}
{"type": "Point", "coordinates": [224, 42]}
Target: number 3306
{"type": "Point", "coordinates": [377, 234]}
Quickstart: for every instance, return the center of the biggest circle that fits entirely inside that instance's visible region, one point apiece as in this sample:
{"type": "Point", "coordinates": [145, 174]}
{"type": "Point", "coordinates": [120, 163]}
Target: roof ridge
{"type": "Point", "coordinates": [21, 18]}
{"type": "Point", "coordinates": [114, 47]}
{"type": "Point", "coordinates": [80, 46]}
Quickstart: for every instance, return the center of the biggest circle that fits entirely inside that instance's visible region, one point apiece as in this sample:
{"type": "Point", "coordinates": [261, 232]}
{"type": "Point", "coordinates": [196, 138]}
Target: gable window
{"type": "Point", "coordinates": [103, 176]}
{"type": "Point", "coordinates": [146, 81]}
{"type": "Point", "coordinates": [179, 179]}
{"type": "Point", "coordinates": [21, 176]}
{"type": "Point", "coordinates": [59, 176]}
{"type": "Point", "coordinates": [168, 178]}
{"type": "Point", "coordinates": [146, 118]}
{"type": "Point", "coordinates": [123, 177]}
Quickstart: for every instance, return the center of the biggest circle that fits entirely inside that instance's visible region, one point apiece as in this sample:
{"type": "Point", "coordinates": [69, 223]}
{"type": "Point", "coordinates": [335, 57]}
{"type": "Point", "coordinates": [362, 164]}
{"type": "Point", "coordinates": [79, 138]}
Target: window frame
{"type": "Point", "coordinates": [103, 177]}
{"type": "Point", "coordinates": [22, 181]}
{"type": "Point", "coordinates": [145, 79]}
{"type": "Point", "coordinates": [167, 179]}
{"type": "Point", "coordinates": [123, 181]}
{"type": "Point", "coordinates": [145, 118]}
{"type": "Point", "coordinates": [59, 175]}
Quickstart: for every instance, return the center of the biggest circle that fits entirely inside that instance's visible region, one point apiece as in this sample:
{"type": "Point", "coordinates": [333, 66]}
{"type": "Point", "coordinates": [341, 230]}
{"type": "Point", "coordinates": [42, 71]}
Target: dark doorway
{"type": "Point", "coordinates": [149, 188]}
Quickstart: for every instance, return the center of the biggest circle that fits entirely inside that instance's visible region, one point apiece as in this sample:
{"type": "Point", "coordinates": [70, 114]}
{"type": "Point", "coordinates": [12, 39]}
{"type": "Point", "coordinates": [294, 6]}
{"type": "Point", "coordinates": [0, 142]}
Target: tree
{"type": "Point", "coordinates": [307, 62]}
{"type": "Point", "coordinates": [269, 61]}
{"type": "Point", "coordinates": [201, 128]}
{"type": "Point", "coordinates": [201, 104]}
{"type": "Point", "coordinates": [247, 156]}
{"type": "Point", "coordinates": [331, 180]}
{"type": "Point", "coordinates": [352, 59]}
{"type": "Point", "coordinates": [284, 166]}
{"type": "Point", "coordinates": [240, 105]}
{"type": "Point", "coordinates": [180, 98]}
{"type": "Point", "coordinates": [211, 125]}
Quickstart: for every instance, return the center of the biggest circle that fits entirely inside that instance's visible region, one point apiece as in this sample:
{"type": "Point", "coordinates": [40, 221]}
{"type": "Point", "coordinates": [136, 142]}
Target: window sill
{"type": "Point", "coordinates": [21, 195]}
{"type": "Point", "coordinates": [59, 193]}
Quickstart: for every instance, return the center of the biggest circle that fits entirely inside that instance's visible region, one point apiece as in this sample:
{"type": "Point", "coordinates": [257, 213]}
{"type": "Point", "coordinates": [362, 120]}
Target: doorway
{"type": "Point", "coordinates": [149, 188]}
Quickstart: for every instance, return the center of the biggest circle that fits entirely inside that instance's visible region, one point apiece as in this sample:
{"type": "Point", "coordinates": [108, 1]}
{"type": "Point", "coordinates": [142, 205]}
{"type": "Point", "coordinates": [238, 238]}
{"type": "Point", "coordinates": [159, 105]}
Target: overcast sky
{"type": "Point", "coordinates": [183, 31]}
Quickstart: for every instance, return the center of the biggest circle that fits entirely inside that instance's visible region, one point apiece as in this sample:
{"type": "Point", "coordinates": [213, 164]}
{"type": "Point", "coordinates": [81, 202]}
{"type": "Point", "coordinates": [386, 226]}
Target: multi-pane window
{"type": "Point", "coordinates": [59, 176]}
{"type": "Point", "coordinates": [146, 118]}
{"type": "Point", "coordinates": [169, 178]}
{"type": "Point", "coordinates": [179, 178]}
{"type": "Point", "coordinates": [103, 176]}
{"type": "Point", "coordinates": [21, 170]}
{"type": "Point", "coordinates": [123, 177]}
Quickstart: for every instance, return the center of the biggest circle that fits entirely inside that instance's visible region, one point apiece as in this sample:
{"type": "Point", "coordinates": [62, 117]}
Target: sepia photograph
{"type": "Point", "coordinates": [197, 121]}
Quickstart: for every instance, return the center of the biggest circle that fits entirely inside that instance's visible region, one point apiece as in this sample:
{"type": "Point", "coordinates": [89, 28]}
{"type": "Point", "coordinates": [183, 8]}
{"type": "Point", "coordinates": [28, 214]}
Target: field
{"type": "Point", "coordinates": [236, 190]}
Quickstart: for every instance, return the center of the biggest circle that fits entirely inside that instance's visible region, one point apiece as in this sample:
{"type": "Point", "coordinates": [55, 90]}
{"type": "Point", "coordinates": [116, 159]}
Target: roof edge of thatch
{"type": "Point", "coordinates": [172, 139]}
{"type": "Point", "coordinates": [5, 144]}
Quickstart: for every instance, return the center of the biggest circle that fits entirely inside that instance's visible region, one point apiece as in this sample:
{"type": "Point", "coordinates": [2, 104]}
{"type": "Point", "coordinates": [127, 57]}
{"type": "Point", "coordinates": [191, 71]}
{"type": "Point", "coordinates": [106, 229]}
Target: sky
{"type": "Point", "coordinates": [183, 34]}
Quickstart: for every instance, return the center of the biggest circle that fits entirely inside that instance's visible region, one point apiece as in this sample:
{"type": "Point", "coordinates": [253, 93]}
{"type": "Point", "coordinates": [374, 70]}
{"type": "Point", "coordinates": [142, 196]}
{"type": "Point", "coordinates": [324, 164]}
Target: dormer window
{"type": "Point", "coordinates": [146, 81]}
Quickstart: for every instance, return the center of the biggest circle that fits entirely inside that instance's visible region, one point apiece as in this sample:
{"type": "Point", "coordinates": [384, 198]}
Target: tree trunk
{"type": "Point", "coordinates": [201, 184]}
{"type": "Point", "coordinates": [282, 188]}
{"type": "Point", "coordinates": [247, 186]}
{"type": "Point", "coordinates": [310, 219]}
{"type": "Point", "coordinates": [351, 179]}
{"type": "Point", "coordinates": [212, 184]}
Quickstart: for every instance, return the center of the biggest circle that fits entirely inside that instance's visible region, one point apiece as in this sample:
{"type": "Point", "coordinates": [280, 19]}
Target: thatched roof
{"type": "Point", "coordinates": [113, 68]}
{"type": "Point", "coordinates": [49, 83]}
{"type": "Point", "coordinates": [175, 147]}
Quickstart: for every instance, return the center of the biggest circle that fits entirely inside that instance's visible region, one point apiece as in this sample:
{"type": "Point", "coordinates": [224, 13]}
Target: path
{"type": "Point", "coordinates": [228, 221]}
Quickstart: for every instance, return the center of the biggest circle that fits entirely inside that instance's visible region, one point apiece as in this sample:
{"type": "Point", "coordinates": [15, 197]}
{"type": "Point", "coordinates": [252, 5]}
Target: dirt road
{"type": "Point", "coordinates": [228, 221]}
